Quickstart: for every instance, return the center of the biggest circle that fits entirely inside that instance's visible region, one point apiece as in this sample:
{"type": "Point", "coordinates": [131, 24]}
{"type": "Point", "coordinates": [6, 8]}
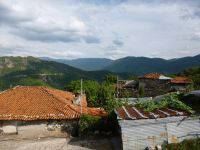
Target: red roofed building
{"type": "Point", "coordinates": [154, 84]}
{"type": "Point", "coordinates": [180, 83]}
{"type": "Point", "coordinates": [45, 111]}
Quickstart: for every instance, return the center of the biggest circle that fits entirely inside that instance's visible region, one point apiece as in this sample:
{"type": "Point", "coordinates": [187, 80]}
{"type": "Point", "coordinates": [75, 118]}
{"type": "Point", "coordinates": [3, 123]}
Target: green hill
{"type": "Point", "coordinates": [141, 65]}
{"type": "Point", "coordinates": [89, 64]}
{"type": "Point", "coordinates": [33, 71]}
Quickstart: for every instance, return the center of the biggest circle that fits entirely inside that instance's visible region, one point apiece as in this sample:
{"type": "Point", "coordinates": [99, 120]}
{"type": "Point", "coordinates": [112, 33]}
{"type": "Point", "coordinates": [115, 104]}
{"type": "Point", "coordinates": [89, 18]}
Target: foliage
{"type": "Point", "coordinates": [133, 77]}
{"type": "Point", "coordinates": [88, 122]}
{"type": "Point", "coordinates": [191, 144]}
{"type": "Point", "coordinates": [194, 74]}
{"type": "Point", "coordinates": [98, 94]}
{"type": "Point", "coordinates": [91, 89]}
{"type": "Point", "coordinates": [57, 75]}
{"type": "Point", "coordinates": [141, 91]}
{"type": "Point", "coordinates": [192, 101]}
{"type": "Point", "coordinates": [169, 101]}
{"type": "Point", "coordinates": [111, 78]}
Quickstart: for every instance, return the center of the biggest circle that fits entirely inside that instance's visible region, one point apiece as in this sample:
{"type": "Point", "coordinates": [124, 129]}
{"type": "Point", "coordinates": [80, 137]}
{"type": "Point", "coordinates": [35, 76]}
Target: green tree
{"type": "Point", "coordinates": [106, 96]}
{"type": "Point", "coordinates": [111, 78]}
{"type": "Point", "coordinates": [141, 90]}
{"type": "Point", "coordinates": [90, 88]}
{"type": "Point", "coordinates": [194, 74]}
{"type": "Point", "coordinates": [98, 94]}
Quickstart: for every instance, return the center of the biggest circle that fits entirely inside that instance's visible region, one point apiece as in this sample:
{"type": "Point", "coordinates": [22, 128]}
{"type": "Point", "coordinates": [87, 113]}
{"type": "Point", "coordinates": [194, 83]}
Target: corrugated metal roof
{"type": "Point", "coordinates": [133, 113]}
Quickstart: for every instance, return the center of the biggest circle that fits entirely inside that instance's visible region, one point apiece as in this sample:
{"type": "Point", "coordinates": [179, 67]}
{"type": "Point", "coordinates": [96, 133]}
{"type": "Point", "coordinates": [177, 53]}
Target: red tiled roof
{"type": "Point", "coordinates": [151, 76]}
{"type": "Point", "coordinates": [181, 80]}
{"type": "Point", "coordinates": [36, 103]}
{"type": "Point", "coordinates": [133, 113]}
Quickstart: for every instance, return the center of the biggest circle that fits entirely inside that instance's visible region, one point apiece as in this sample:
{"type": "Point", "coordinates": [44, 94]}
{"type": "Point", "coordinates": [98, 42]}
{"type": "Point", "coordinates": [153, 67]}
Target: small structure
{"type": "Point", "coordinates": [33, 112]}
{"type": "Point", "coordinates": [154, 84]}
{"type": "Point", "coordinates": [180, 83]}
{"type": "Point", "coordinates": [126, 88]}
{"type": "Point", "coordinates": [140, 129]}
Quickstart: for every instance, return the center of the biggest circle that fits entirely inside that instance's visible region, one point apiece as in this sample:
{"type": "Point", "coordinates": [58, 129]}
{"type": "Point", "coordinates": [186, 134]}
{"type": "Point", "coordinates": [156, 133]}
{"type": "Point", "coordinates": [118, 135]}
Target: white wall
{"type": "Point", "coordinates": [38, 129]}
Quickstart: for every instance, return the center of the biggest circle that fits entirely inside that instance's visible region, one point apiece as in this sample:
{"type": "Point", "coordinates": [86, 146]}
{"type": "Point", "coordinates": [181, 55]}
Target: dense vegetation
{"type": "Point", "coordinates": [192, 101]}
{"type": "Point", "coordinates": [190, 144]}
{"type": "Point", "coordinates": [142, 65]}
{"type": "Point", "coordinates": [169, 101]}
{"type": "Point", "coordinates": [99, 94]}
{"type": "Point", "coordinates": [33, 71]}
{"type": "Point", "coordinates": [194, 74]}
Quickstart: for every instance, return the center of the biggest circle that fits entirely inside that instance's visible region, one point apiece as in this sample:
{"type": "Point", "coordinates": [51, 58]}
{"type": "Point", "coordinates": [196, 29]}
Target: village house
{"type": "Point", "coordinates": [126, 88]}
{"type": "Point", "coordinates": [140, 129]}
{"type": "Point", "coordinates": [154, 84]}
{"type": "Point", "coordinates": [180, 83]}
{"type": "Point", "coordinates": [35, 112]}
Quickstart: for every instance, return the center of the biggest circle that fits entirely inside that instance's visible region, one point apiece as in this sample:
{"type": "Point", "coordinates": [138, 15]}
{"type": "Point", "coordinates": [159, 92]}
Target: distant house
{"type": "Point", "coordinates": [154, 84]}
{"type": "Point", "coordinates": [126, 88]}
{"type": "Point", "coordinates": [33, 112]}
{"type": "Point", "coordinates": [140, 129]}
{"type": "Point", "coordinates": [180, 83]}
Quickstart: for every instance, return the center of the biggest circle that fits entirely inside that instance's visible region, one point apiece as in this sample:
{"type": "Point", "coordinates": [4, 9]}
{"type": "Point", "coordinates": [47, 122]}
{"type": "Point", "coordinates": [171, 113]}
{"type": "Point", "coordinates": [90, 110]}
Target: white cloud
{"type": "Point", "coordinates": [114, 28]}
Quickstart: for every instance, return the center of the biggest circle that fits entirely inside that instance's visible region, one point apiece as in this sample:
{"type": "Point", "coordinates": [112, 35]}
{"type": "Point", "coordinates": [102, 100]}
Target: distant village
{"type": "Point", "coordinates": [36, 112]}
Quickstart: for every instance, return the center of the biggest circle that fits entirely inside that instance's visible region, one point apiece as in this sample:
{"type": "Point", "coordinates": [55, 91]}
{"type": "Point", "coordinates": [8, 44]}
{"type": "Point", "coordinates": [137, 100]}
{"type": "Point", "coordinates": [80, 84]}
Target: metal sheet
{"type": "Point", "coordinates": [179, 131]}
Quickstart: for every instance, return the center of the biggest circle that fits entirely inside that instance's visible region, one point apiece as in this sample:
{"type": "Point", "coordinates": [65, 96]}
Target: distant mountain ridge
{"type": "Point", "coordinates": [141, 65]}
{"type": "Point", "coordinates": [88, 64]}
{"type": "Point", "coordinates": [34, 71]}
{"type": "Point", "coordinates": [134, 65]}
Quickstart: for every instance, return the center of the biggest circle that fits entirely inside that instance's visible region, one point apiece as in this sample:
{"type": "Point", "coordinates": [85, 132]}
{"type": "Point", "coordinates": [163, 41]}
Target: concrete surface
{"type": "Point", "coordinates": [60, 144]}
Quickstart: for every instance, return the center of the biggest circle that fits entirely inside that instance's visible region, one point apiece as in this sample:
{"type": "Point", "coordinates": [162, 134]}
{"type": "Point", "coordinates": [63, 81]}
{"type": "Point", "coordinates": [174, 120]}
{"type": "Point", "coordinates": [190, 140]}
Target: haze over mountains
{"type": "Point", "coordinates": [134, 65]}
{"type": "Point", "coordinates": [89, 64]}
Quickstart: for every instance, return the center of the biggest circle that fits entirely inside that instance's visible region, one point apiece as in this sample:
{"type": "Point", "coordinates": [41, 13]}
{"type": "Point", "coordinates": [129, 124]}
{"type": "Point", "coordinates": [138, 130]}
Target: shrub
{"type": "Point", "coordinates": [87, 123]}
{"type": "Point", "coordinates": [169, 101]}
{"type": "Point", "coordinates": [191, 144]}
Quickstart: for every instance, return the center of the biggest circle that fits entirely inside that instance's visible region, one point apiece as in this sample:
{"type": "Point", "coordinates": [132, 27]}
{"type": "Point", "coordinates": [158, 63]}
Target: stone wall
{"type": "Point", "coordinates": [155, 87]}
{"type": "Point", "coordinates": [39, 129]}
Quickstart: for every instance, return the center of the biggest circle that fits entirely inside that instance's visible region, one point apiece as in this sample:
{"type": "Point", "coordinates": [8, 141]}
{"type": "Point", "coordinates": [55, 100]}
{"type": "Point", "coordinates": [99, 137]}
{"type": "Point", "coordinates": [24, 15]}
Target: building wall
{"type": "Point", "coordinates": [39, 129]}
{"type": "Point", "coordinates": [154, 87]}
{"type": "Point", "coordinates": [138, 134]}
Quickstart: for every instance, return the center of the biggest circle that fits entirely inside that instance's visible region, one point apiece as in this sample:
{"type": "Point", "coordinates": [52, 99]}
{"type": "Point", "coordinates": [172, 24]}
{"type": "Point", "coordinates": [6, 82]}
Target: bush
{"type": "Point", "coordinates": [169, 101]}
{"type": "Point", "coordinates": [88, 123]}
{"type": "Point", "coordinates": [192, 144]}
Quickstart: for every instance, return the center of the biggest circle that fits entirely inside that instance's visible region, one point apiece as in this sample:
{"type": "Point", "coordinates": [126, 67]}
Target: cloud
{"type": "Point", "coordinates": [196, 36]}
{"type": "Point", "coordinates": [10, 15]}
{"type": "Point", "coordinates": [102, 2]}
{"type": "Point", "coordinates": [99, 28]}
{"type": "Point", "coordinates": [45, 29]}
{"type": "Point", "coordinates": [118, 42]}
{"type": "Point", "coordinates": [115, 54]}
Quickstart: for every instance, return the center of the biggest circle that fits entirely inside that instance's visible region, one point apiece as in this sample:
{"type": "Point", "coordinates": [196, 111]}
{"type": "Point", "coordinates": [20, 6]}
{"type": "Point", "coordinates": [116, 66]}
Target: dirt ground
{"type": "Point", "coordinates": [61, 144]}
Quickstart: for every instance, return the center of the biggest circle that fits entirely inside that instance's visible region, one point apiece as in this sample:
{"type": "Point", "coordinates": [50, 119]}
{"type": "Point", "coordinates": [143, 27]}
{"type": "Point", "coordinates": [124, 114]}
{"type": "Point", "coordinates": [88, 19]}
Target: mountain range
{"type": "Point", "coordinates": [34, 71]}
{"type": "Point", "coordinates": [133, 65]}
{"type": "Point", "coordinates": [88, 64]}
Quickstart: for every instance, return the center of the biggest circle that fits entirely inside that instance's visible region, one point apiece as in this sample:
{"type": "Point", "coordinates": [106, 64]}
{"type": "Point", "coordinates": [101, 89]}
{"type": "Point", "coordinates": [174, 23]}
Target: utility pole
{"type": "Point", "coordinates": [117, 87]}
{"type": "Point", "coordinates": [81, 95]}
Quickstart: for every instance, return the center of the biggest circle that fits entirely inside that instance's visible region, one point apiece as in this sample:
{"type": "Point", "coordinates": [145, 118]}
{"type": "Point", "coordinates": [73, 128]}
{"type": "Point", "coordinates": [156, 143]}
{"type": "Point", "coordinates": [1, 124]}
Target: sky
{"type": "Point", "coordinates": [70, 29]}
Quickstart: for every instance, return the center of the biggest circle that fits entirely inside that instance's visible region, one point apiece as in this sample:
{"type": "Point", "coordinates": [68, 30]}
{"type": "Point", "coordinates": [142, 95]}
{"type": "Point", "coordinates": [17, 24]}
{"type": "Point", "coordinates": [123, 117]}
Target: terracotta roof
{"type": "Point", "coordinates": [151, 76]}
{"type": "Point", "coordinates": [181, 80]}
{"type": "Point", "coordinates": [133, 113]}
{"type": "Point", "coordinates": [36, 103]}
